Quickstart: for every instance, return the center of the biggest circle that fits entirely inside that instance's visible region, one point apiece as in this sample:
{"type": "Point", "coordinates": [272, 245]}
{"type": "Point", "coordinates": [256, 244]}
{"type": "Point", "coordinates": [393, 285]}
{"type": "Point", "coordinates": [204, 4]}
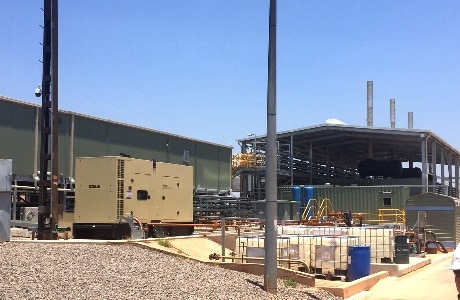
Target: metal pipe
{"type": "Point", "coordinates": [27, 187]}
{"type": "Point", "coordinates": [223, 239]}
{"type": "Point", "coordinates": [215, 226]}
{"type": "Point", "coordinates": [294, 261]}
{"type": "Point", "coordinates": [370, 103]}
{"type": "Point", "coordinates": [15, 196]}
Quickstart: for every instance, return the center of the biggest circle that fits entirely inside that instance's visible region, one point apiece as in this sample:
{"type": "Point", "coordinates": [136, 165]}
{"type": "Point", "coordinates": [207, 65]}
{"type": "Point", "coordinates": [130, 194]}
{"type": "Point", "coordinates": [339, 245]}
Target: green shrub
{"type": "Point", "coordinates": [164, 243]}
{"type": "Point", "coordinates": [290, 283]}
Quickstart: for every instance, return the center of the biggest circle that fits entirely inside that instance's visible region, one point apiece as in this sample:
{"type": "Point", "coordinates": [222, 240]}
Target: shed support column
{"type": "Point", "coordinates": [291, 159]}
{"type": "Point", "coordinates": [457, 175]}
{"type": "Point", "coordinates": [370, 149]}
{"type": "Point", "coordinates": [433, 166]}
{"type": "Point", "coordinates": [449, 166]}
{"type": "Point", "coordinates": [424, 165]}
{"type": "Point", "coordinates": [310, 167]}
{"type": "Point", "coordinates": [443, 165]}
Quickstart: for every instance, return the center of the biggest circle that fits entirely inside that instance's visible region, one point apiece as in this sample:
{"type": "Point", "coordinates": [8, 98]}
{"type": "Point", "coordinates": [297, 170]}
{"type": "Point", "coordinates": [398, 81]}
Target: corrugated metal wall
{"type": "Point", "coordinates": [358, 199]}
{"type": "Point", "coordinates": [364, 199]}
{"type": "Point", "coordinates": [441, 216]}
{"type": "Point", "coordinates": [98, 137]}
{"type": "Point", "coordinates": [17, 135]}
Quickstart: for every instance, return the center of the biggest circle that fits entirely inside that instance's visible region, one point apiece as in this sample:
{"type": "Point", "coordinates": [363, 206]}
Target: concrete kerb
{"type": "Point", "coordinates": [348, 289]}
{"type": "Point", "coordinates": [258, 269]}
{"type": "Point", "coordinates": [379, 272]}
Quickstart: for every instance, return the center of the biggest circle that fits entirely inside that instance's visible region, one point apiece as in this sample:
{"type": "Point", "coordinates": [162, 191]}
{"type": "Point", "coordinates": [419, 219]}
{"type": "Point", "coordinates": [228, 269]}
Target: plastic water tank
{"type": "Point", "coordinates": [296, 194]}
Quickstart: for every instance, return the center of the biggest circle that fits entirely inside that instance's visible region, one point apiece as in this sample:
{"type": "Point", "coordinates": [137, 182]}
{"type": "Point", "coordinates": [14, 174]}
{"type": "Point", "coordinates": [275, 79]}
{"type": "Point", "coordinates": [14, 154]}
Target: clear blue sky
{"type": "Point", "coordinates": [199, 68]}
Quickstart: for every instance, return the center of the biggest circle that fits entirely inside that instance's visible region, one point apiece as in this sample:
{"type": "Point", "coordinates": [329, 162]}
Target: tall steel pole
{"type": "Point", "coordinates": [48, 185]}
{"type": "Point", "coordinates": [55, 119]}
{"type": "Point", "coordinates": [271, 271]}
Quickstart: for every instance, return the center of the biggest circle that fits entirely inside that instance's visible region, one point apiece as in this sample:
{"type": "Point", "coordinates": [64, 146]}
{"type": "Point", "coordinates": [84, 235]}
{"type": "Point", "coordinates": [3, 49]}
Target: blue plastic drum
{"type": "Point", "coordinates": [359, 262]}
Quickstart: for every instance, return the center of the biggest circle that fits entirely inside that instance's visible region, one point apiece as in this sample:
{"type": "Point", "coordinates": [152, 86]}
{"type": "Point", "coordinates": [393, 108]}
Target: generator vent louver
{"type": "Point", "coordinates": [120, 188]}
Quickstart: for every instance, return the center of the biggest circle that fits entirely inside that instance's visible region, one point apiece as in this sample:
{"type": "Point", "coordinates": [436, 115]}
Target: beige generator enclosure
{"type": "Point", "coordinates": [115, 194]}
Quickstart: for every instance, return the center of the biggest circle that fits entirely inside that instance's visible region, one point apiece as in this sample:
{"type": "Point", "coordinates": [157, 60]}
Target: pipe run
{"type": "Point", "coordinates": [217, 226]}
{"type": "Point", "coordinates": [287, 260]}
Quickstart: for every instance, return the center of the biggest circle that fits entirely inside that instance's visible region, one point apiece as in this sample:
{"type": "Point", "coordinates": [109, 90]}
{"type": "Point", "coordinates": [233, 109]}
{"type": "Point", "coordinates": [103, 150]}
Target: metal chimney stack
{"type": "Point", "coordinates": [370, 104]}
{"type": "Point", "coordinates": [392, 113]}
{"type": "Point", "coordinates": [410, 120]}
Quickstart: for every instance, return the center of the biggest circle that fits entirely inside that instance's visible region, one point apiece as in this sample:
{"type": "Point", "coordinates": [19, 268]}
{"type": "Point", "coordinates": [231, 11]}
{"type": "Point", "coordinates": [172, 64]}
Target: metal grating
{"type": "Point", "coordinates": [120, 188]}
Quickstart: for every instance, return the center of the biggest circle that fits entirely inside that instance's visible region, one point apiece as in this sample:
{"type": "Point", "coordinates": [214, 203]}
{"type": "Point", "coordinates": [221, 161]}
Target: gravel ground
{"type": "Point", "coordinates": [36, 270]}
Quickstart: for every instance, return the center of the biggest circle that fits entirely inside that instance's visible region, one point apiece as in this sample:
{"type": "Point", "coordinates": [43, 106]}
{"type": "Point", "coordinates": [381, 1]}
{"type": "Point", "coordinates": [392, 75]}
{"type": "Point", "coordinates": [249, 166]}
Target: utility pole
{"type": "Point", "coordinates": [271, 268]}
{"type": "Point", "coordinates": [48, 185]}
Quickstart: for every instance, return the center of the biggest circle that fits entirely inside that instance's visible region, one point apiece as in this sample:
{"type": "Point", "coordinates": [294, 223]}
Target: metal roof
{"type": "Point", "coordinates": [29, 104]}
{"type": "Point", "coordinates": [350, 144]}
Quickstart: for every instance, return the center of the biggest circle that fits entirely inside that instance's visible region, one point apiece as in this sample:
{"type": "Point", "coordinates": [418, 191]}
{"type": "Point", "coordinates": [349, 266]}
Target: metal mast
{"type": "Point", "coordinates": [271, 269]}
{"type": "Point", "coordinates": [48, 185]}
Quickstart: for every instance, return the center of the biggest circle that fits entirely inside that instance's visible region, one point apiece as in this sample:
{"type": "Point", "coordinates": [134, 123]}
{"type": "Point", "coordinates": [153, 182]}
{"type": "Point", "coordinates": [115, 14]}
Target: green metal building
{"type": "Point", "coordinates": [82, 136]}
{"type": "Point", "coordinates": [440, 215]}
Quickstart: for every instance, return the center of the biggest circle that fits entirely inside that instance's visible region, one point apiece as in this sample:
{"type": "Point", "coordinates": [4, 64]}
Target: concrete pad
{"type": "Point", "coordinates": [196, 247]}
{"type": "Point", "coordinates": [397, 270]}
{"type": "Point", "coordinates": [348, 289]}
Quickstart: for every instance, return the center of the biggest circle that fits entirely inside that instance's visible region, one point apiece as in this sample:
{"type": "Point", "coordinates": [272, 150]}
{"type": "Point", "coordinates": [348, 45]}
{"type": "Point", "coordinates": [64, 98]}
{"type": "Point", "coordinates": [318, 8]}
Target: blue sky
{"type": "Point", "coordinates": [199, 68]}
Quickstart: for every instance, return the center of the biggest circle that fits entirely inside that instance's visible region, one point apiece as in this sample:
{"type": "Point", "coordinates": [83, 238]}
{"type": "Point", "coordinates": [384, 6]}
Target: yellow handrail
{"type": "Point", "coordinates": [391, 215]}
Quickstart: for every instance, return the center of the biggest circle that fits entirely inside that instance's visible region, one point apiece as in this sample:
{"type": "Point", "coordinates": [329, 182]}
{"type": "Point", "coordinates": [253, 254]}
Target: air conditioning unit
{"type": "Point", "coordinates": [29, 214]}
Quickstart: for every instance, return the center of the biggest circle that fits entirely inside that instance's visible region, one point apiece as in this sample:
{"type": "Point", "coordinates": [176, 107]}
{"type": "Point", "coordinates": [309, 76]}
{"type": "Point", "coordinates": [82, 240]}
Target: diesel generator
{"type": "Point", "coordinates": [113, 193]}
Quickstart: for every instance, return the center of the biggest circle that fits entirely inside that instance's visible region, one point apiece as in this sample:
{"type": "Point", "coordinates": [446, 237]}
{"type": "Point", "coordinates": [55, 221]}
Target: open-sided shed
{"type": "Point", "coordinates": [348, 155]}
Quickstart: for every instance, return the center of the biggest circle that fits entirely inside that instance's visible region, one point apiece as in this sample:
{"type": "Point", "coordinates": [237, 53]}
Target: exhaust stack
{"type": "Point", "coordinates": [392, 113]}
{"type": "Point", "coordinates": [410, 120]}
{"type": "Point", "coordinates": [370, 104]}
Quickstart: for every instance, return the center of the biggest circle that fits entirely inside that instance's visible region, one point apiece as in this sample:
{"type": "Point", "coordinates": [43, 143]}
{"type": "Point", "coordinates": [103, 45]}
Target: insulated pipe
{"type": "Point", "coordinates": [392, 113]}
{"type": "Point", "coordinates": [370, 104]}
